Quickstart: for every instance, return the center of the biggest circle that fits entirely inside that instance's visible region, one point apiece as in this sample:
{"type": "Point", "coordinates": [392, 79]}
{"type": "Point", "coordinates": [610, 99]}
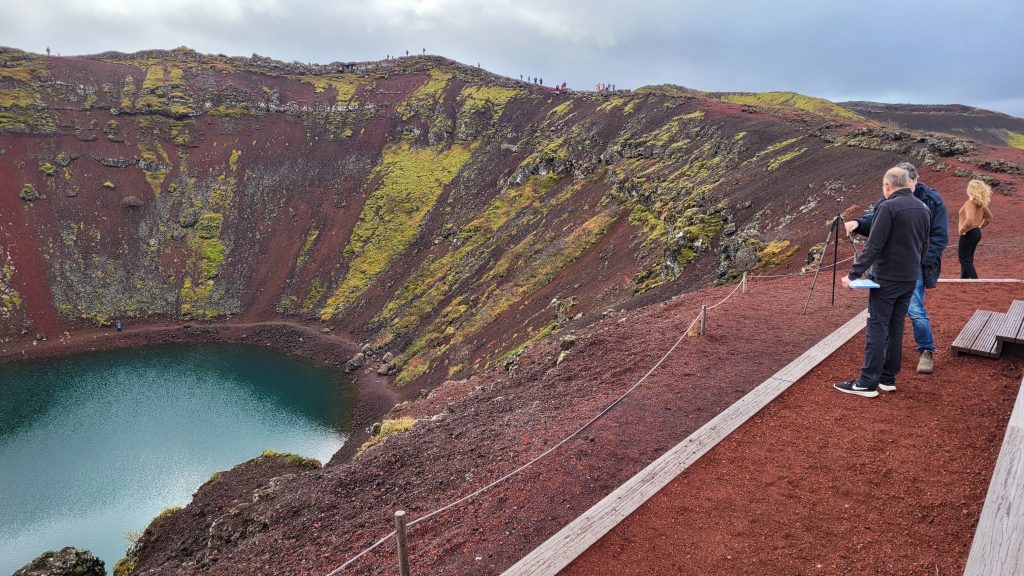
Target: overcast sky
{"type": "Point", "coordinates": [918, 51]}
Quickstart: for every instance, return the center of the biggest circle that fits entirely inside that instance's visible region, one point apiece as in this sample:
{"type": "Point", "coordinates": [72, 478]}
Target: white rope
{"type": "Point", "coordinates": [828, 267]}
{"type": "Point", "coordinates": [479, 491]}
{"type": "Point", "coordinates": [722, 301]}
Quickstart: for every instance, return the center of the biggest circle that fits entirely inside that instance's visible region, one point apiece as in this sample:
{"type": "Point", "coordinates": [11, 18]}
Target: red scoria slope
{"type": "Point", "coordinates": [468, 433]}
{"type": "Point", "coordinates": [432, 212]}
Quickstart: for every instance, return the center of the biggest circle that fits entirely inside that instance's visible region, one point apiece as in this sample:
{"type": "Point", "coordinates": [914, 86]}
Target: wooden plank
{"type": "Point", "coordinates": [980, 280]}
{"type": "Point", "coordinates": [1008, 327]}
{"type": "Point", "coordinates": [999, 324]}
{"type": "Point", "coordinates": [565, 546]}
{"type": "Point", "coordinates": [1016, 310]}
{"type": "Point", "coordinates": [969, 334]}
{"type": "Point", "coordinates": [986, 343]}
{"type": "Point", "coordinates": [998, 546]}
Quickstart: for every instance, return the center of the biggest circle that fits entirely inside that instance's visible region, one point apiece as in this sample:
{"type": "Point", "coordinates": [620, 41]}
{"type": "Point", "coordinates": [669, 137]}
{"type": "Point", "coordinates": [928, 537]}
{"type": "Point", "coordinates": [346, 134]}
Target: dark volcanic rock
{"type": "Point", "coordinates": [117, 162]}
{"type": "Point", "coordinates": [68, 562]}
{"type": "Point", "coordinates": [997, 165]}
{"type": "Point", "coordinates": [356, 362]}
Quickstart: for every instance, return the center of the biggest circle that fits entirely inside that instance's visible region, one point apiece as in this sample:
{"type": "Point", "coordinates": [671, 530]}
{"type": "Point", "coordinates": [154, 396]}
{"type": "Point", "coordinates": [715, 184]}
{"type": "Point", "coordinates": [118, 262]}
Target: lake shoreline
{"type": "Point", "coordinates": [373, 395]}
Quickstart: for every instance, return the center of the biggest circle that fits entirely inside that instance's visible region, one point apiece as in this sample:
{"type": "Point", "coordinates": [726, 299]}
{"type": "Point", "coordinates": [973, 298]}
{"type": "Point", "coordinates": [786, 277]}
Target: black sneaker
{"type": "Point", "coordinates": [887, 386]}
{"type": "Point", "coordinates": [855, 387]}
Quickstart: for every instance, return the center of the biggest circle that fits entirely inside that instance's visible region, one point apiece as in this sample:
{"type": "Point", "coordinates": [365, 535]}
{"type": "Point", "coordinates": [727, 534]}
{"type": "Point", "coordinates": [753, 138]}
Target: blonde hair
{"type": "Point", "coordinates": [979, 192]}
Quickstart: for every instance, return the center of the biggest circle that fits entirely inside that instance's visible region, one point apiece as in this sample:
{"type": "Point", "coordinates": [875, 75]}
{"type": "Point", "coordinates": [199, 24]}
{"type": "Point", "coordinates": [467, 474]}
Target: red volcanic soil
{"type": "Point", "coordinates": [751, 336]}
{"type": "Point", "coordinates": [470, 433]}
{"type": "Point", "coordinates": [824, 483]}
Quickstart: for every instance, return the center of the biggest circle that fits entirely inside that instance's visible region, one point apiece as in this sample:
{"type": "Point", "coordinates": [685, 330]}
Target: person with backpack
{"type": "Point", "coordinates": [931, 264]}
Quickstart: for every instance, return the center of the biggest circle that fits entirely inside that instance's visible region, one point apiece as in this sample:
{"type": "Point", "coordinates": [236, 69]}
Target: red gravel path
{"type": "Point", "coordinates": [824, 483]}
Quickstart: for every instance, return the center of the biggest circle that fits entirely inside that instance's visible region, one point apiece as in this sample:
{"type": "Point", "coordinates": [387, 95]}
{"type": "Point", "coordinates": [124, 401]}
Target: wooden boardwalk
{"type": "Point", "coordinates": [986, 332]}
{"type": "Point", "coordinates": [560, 550]}
{"type": "Point", "coordinates": [998, 547]}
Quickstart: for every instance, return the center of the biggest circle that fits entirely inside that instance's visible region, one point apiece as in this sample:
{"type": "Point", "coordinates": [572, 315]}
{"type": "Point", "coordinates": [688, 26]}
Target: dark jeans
{"type": "Point", "coordinates": [883, 351]}
{"type": "Point", "coordinates": [965, 250]}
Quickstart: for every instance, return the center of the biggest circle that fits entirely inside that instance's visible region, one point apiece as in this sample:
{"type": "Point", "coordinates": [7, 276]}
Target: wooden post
{"type": "Point", "coordinates": [703, 319]}
{"type": "Point", "coordinates": [743, 283]}
{"type": "Point", "coordinates": [403, 543]}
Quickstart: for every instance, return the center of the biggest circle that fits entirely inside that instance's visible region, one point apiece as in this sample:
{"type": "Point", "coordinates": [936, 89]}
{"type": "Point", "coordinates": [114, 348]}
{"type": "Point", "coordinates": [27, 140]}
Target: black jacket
{"type": "Point", "coordinates": [898, 239]}
{"type": "Point", "coordinates": [938, 233]}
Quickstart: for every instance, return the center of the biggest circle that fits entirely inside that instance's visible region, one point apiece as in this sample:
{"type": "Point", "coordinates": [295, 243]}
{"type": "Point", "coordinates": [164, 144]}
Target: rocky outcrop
{"type": "Point", "coordinates": [66, 562]}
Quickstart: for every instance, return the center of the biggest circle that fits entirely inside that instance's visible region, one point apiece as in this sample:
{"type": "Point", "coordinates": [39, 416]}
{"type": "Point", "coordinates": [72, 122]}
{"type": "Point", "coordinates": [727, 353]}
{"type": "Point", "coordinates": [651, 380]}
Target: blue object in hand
{"type": "Point", "coordinates": [864, 283]}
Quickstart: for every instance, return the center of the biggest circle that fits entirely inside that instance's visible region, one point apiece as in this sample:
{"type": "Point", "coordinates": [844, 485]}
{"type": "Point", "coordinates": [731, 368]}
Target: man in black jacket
{"type": "Point", "coordinates": [896, 246]}
{"type": "Point", "coordinates": [931, 264]}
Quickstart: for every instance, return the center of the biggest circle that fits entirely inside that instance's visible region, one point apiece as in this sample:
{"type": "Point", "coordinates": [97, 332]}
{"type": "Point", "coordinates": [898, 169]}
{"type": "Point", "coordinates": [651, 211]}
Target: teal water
{"type": "Point", "coordinates": [96, 445]}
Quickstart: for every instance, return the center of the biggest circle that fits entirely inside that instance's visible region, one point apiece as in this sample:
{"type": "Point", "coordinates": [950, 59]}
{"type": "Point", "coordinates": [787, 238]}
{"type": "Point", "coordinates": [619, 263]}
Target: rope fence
{"type": "Point", "coordinates": [700, 321]}
{"type": "Point", "coordinates": [843, 261]}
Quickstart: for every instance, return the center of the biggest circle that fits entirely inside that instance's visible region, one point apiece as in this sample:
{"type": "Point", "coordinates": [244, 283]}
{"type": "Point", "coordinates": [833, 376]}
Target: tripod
{"type": "Point", "coordinates": [833, 229]}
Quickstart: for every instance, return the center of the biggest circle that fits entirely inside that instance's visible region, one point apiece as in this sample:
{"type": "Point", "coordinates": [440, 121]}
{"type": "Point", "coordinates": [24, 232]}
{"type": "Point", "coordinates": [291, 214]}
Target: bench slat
{"type": "Point", "coordinates": [965, 340]}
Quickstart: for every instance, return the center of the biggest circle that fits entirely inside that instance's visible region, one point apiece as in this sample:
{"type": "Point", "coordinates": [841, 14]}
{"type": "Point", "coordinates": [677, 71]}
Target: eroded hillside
{"type": "Point", "coordinates": [447, 218]}
{"type": "Point", "coordinates": [434, 210]}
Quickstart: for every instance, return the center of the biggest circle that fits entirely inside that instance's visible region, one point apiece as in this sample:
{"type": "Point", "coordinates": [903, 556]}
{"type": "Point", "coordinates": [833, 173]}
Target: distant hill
{"type": "Point", "coordinates": [966, 121]}
{"type": "Point", "coordinates": [780, 100]}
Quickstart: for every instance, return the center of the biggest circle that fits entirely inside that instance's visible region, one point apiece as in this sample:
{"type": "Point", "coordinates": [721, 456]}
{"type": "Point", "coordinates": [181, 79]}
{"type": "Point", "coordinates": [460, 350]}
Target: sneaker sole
{"type": "Point", "coordinates": [887, 387]}
{"type": "Point", "coordinates": [864, 393]}
{"type": "Point", "coordinates": [925, 371]}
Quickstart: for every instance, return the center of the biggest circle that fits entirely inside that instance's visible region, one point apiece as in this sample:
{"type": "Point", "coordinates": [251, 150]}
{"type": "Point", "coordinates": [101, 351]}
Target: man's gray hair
{"type": "Point", "coordinates": [897, 178]}
{"type": "Point", "coordinates": [911, 170]}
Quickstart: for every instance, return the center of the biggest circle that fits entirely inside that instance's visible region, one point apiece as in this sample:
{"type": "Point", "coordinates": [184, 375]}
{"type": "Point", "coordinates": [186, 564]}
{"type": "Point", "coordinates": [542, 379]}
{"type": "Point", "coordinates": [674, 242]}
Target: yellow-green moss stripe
{"type": "Point", "coordinates": [412, 182]}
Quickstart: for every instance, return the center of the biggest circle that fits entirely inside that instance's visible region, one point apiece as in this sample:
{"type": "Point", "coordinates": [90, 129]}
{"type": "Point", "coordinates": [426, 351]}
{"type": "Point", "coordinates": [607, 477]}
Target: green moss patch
{"type": "Point", "coordinates": [426, 97]}
{"type": "Point", "coordinates": [411, 182]}
{"type": "Point", "coordinates": [1014, 139]}
{"type": "Point", "coordinates": [344, 86]}
{"type": "Point", "coordinates": [432, 283]}
{"type": "Point", "coordinates": [306, 246]}
{"type": "Point", "coordinates": [22, 108]}
{"type": "Point", "coordinates": [818, 106]}
{"type": "Point", "coordinates": [196, 299]}
{"type": "Point", "coordinates": [774, 253]}
{"type": "Point", "coordinates": [47, 169]}
{"type": "Point", "coordinates": [212, 254]}
{"type": "Point", "coordinates": [156, 163]}
{"type": "Point", "coordinates": [525, 268]}
{"type": "Point", "coordinates": [10, 300]}
{"type": "Point", "coordinates": [164, 92]}
{"type": "Point", "coordinates": [489, 98]}
{"type": "Point", "coordinates": [781, 159]}
{"type": "Point", "coordinates": [128, 91]}
{"type": "Point", "coordinates": [293, 459]}
{"type": "Point", "coordinates": [209, 225]}
{"type": "Point", "coordinates": [387, 428]}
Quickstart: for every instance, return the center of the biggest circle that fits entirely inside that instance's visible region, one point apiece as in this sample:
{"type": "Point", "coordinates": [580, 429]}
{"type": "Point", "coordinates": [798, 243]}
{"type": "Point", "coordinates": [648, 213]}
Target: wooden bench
{"type": "Point", "coordinates": [986, 332]}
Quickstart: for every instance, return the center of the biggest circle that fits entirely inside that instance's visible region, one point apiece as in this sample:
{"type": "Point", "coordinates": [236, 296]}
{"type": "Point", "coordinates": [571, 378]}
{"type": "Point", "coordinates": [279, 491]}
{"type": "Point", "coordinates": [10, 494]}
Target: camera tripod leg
{"type": "Point", "coordinates": [821, 261]}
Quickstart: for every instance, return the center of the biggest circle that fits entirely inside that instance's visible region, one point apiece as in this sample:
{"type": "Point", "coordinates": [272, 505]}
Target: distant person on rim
{"type": "Point", "coordinates": [931, 264]}
{"type": "Point", "coordinates": [896, 246]}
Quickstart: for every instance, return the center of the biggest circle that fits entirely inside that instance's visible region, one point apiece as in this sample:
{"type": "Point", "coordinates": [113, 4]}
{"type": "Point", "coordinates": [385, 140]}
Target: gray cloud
{"type": "Point", "coordinates": [938, 51]}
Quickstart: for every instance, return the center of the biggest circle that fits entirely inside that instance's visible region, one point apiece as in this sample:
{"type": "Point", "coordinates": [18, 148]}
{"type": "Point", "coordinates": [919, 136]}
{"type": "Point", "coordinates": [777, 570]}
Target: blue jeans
{"type": "Point", "coordinates": [919, 318]}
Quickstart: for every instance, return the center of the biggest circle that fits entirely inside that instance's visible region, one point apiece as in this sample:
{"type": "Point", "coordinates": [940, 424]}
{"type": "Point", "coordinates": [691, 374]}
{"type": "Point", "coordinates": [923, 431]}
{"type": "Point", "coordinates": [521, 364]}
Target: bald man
{"type": "Point", "coordinates": [896, 245]}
